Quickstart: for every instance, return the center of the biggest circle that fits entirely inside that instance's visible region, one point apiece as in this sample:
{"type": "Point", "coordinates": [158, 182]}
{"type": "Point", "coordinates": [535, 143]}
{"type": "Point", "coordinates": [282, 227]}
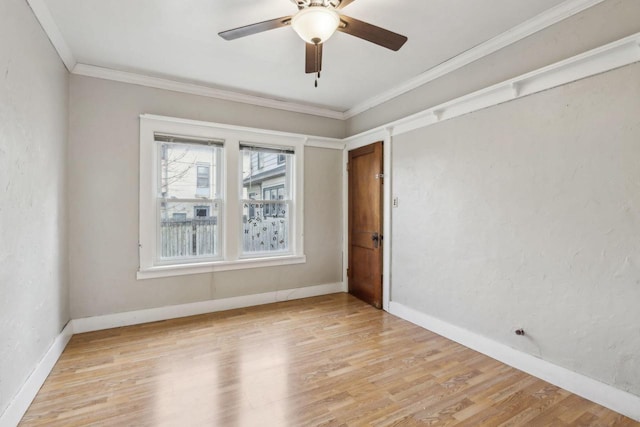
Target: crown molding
{"type": "Point", "coordinates": [194, 89]}
{"type": "Point", "coordinates": [614, 55]}
{"type": "Point", "coordinates": [556, 14]}
{"type": "Point", "coordinates": [41, 11]}
{"type": "Point", "coordinates": [515, 34]}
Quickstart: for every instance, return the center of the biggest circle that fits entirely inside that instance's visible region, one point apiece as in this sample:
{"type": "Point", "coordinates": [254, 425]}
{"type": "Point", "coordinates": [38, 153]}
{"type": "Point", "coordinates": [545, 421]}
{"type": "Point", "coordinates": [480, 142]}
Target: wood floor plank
{"type": "Point", "coordinates": [323, 361]}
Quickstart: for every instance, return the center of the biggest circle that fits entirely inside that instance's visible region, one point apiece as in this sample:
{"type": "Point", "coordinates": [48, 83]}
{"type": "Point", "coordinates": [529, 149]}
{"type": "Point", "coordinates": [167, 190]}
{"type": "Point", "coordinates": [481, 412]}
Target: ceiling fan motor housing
{"type": "Point", "coordinates": [302, 4]}
{"type": "Point", "coordinates": [315, 24]}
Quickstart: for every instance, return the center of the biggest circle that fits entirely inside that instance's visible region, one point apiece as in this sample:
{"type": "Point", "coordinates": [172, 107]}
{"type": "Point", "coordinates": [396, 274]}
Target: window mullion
{"type": "Point", "coordinates": [232, 195]}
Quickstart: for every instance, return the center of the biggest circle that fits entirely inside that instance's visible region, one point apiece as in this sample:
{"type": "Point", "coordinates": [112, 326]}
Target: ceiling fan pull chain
{"type": "Point", "coordinates": [317, 43]}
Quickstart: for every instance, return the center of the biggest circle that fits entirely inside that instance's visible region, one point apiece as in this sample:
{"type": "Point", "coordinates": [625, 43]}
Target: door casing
{"type": "Point", "coordinates": [351, 143]}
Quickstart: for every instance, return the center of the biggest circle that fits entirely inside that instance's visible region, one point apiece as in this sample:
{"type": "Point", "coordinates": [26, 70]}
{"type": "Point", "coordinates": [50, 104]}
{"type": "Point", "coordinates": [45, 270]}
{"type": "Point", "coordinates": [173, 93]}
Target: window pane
{"type": "Point", "coordinates": [265, 176]}
{"type": "Point", "coordinates": [263, 233]}
{"type": "Point", "coordinates": [272, 209]}
{"type": "Point", "coordinates": [266, 216]}
{"type": "Point", "coordinates": [186, 171]}
{"type": "Point", "coordinates": [203, 180]}
{"type": "Point", "coordinates": [188, 229]}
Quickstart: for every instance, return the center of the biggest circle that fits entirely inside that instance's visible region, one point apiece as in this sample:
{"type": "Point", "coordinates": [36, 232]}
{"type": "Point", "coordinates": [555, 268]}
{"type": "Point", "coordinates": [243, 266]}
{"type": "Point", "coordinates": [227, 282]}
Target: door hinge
{"type": "Point", "coordinates": [348, 272]}
{"type": "Point", "coordinates": [347, 166]}
{"type": "Point", "coordinates": [379, 175]}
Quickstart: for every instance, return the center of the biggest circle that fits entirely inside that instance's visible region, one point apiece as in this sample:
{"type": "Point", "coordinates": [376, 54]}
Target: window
{"type": "Point", "coordinates": [203, 180]}
{"type": "Point", "coordinates": [187, 230]}
{"type": "Point", "coordinates": [274, 193]}
{"type": "Point", "coordinates": [266, 220]}
{"type": "Point", "coordinates": [201, 211]}
{"type": "Point", "coordinates": [211, 201]}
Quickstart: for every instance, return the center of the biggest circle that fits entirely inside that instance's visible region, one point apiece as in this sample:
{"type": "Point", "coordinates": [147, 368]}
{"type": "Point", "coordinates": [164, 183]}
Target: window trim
{"type": "Point", "coordinates": [233, 137]}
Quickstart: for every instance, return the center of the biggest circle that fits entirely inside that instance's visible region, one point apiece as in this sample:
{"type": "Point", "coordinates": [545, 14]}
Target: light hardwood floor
{"type": "Point", "coordinates": [330, 361]}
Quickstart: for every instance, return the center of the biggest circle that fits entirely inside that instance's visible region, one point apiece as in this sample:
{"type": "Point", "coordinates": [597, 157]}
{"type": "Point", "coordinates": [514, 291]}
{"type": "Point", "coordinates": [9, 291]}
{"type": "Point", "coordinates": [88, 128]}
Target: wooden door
{"type": "Point", "coordinates": [364, 271]}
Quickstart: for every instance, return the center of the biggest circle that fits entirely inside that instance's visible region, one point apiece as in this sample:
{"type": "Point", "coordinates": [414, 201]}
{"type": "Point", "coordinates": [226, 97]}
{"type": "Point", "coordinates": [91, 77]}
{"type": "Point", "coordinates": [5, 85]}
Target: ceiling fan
{"type": "Point", "coordinates": [315, 22]}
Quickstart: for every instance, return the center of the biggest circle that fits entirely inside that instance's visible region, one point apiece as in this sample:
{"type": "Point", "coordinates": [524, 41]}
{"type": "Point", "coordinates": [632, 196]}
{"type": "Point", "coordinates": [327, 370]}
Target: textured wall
{"type": "Point", "coordinates": [527, 214]}
{"type": "Point", "coordinates": [604, 23]}
{"type": "Point", "coordinates": [103, 192]}
{"type": "Point", "coordinates": [33, 134]}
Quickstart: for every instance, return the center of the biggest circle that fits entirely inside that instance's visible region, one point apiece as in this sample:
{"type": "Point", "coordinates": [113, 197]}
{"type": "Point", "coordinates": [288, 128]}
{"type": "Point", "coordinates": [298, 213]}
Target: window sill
{"type": "Point", "coordinates": [214, 266]}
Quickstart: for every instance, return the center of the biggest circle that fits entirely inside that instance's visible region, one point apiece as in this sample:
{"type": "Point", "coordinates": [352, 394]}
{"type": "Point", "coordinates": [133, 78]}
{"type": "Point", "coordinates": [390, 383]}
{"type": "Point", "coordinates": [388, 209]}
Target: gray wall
{"type": "Point", "coordinates": [33, 134]}
{"type": "Point", "coordinates": [103, 191]}
{"type": "Point", "coordinates": [527, 214]}
{"type": "Point", "coordinates": [524, 214]}
{"type": "Point", "coordinates": [606, 22]}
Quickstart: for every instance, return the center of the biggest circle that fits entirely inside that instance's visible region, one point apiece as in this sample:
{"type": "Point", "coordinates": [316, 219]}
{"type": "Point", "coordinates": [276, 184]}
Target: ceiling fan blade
{"type": "Point", "coordinates": [259, 27]}
{"type": "Point", "coordinates": [371, 33]}
{"type": "Point", "coordinates": [344, 3]}
{"type": "Point", "coordinates": [313, 58]}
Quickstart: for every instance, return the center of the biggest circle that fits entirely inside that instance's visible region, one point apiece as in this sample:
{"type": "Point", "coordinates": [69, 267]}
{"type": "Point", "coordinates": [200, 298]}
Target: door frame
{"type": "Point", "coordinates": [351, 144]}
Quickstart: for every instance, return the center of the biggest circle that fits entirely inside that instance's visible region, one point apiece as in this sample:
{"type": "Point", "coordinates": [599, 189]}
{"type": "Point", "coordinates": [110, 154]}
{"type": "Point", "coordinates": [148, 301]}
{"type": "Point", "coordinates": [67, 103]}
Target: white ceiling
{"type": "Point", "coordinates": [178, 40]}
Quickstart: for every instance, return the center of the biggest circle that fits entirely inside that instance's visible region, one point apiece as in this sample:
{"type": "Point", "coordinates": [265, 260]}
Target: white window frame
{"type": "Point", "coordinates": [231, 213]}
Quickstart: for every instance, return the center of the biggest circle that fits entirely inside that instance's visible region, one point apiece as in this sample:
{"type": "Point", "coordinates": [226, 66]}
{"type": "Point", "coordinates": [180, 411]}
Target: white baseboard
{"type": "Point", "coordinates": [20, 403]}
{"type": "Point", "coordinates": [596, 391]}
{"type": "Point", "coordinates": [96, 323]}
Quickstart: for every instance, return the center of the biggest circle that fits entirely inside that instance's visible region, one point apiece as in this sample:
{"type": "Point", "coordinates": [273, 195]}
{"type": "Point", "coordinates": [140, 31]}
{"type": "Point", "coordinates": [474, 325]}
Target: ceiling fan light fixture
{"type": "Point", "coordinates": [315, 24]}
